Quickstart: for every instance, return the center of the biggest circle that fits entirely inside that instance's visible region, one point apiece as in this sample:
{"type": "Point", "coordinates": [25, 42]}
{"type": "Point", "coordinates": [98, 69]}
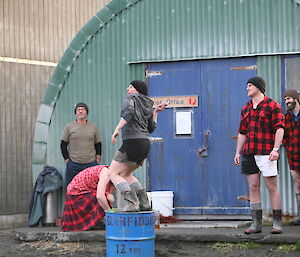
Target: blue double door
{"type": "Point", "coordinates": [198, 164]}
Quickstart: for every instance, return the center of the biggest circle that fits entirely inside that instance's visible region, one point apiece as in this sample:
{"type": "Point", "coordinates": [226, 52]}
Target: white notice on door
{"type": "Point", "coordinates": [183, 123]}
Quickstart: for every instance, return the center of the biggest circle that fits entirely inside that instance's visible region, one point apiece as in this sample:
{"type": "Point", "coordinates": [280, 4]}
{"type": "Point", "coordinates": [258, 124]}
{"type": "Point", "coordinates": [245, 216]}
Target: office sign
{"type": "Point", "coordinates": [176, 101]}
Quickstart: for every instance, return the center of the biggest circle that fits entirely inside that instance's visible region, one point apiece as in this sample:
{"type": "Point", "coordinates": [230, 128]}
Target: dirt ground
{"type": "Point", "coordinates": [12, 247]}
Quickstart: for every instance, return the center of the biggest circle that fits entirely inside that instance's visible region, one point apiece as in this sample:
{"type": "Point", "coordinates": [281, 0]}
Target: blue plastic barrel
{"type": "Point", "coordinates": [130, 234]}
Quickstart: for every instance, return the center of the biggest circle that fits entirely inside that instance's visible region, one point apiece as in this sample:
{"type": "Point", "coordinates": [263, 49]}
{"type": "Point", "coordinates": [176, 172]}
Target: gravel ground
{"type": "Point", "coordinates": [13, 247]}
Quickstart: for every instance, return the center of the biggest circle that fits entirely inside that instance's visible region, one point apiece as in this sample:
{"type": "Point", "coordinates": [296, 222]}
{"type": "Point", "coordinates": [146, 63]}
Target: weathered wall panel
{"type": "Point", "coordinates": [22, 86]}
{"type": "Point", "coordinates": [42, 29]}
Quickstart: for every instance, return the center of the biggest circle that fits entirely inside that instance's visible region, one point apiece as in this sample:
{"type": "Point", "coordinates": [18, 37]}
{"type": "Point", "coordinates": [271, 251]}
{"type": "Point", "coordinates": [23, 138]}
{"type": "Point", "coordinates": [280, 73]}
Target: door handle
{"type": "Point", "coordinates": [203, 151]}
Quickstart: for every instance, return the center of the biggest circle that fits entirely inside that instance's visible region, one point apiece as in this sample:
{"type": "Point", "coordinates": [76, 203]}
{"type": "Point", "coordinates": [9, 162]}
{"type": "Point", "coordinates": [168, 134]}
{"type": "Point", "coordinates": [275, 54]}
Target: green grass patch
{"type": "Point", "coordinates": [224, 247]}
{"type": "Point", "coordinates": [286, 248]}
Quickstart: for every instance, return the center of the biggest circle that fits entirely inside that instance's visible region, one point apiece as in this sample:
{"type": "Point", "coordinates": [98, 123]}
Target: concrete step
{"type": "Point", "coordinates": [207, 224]}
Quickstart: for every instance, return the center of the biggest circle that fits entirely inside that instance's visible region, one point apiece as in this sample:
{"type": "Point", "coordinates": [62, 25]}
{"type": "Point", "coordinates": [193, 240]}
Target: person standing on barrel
{"type": "Point", "coordinates": [138, 119]}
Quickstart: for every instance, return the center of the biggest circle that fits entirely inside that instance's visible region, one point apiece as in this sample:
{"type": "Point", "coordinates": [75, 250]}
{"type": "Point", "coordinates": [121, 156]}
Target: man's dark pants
{"type": "Point", "coordinates": [73, 168]}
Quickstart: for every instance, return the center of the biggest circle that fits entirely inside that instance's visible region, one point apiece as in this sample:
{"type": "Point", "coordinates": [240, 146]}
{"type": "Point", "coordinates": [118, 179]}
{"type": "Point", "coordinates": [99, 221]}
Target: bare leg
{"type": "Point", "coordinates": [119, 172]}
{"type": "Point", "coordinates": [120, 176]}
{"type": "Point", "coordinates": [271, 183]}
{"type": "Point", "coordinates": [254, 187]}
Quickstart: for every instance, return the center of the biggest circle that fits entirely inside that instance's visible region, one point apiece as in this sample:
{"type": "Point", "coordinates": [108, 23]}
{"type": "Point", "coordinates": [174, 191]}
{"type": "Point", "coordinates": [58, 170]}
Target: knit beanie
{"type": "Point", "coordinates": [259, 83]}
{"type": "Point", "coordinates": [292, 93]}
{"type": "Point", "coordinates": [140, 86]}
{"type": "Point", "coordinates": [81, 105]}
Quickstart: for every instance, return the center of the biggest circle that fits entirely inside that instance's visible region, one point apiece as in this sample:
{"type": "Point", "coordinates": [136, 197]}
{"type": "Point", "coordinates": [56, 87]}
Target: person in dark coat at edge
{"type": "Point", "coordinates": [48, 180]}
{"type": "Point", "coordinates": [291, 141]}
{"type": "Point", "coordinates": [138, 119]}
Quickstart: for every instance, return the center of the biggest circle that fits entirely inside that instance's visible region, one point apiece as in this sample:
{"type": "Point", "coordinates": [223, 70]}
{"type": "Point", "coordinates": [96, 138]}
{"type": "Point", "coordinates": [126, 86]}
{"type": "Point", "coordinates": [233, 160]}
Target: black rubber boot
{"type": "Point", "coordinates": [256, 222]}
{"type": "Point", "coordinates": [132, 202]}
{"type": "Point", "coordinates": [143, 200]}
{"type": "Point", "coordinates": [276, 228]}
{"type": "Point", "coordinates": [296, 221]}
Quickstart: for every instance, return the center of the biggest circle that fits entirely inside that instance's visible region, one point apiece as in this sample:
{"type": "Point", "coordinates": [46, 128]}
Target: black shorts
{"type": "Point", "coordinates": [136, 149]}
{"type": "Point", "coordinates": [249, 165]}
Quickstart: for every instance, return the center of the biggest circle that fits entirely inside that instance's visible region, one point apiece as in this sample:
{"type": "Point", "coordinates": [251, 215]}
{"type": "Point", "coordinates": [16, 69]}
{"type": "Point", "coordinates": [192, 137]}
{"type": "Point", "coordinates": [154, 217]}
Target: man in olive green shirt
{"type": "Point", "coordinates": [80, 143]}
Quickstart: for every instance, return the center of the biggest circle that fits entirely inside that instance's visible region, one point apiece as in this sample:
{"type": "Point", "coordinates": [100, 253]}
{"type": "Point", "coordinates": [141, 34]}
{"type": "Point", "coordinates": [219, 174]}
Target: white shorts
{"type": "Point", "coordinates": [267, 168]}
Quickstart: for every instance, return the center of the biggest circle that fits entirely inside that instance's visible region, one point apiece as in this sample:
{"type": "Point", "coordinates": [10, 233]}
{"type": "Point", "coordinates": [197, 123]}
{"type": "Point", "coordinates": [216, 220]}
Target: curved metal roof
{"type": "Point", "coordinates": [61, 75]}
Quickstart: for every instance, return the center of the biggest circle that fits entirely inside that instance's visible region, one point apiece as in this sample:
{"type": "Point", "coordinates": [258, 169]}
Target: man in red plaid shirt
{"type": "Point", "coordinates": [260, 136]}
{"type": "Point", "coordinates": [291, 141]}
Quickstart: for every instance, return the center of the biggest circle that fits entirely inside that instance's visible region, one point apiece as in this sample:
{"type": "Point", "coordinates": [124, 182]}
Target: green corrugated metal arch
{"type": "Point", "coordinates": [61, 74]}
{"type": "Point", "coordinates": [78, 44]}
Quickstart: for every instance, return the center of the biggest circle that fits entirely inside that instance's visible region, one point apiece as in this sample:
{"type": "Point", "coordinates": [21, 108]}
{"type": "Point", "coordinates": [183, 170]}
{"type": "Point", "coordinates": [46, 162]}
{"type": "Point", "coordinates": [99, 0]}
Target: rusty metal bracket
{"type": "Point", "coordinates": [203, 151]}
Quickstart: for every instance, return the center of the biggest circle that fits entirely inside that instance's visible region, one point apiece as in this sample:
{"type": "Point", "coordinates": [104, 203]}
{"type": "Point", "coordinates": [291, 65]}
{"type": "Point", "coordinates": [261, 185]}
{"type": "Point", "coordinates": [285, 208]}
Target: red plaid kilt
{"type": "Point", "coordinates": [81, 212]}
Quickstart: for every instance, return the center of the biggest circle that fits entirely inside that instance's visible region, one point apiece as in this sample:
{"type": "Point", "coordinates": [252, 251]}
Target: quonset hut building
{"type": "Point", "coordinates": [197, 54]}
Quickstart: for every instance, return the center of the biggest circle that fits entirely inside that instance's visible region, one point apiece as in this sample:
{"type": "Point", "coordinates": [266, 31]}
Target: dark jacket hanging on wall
{"type": "Point", "coordinates": [48, 180]}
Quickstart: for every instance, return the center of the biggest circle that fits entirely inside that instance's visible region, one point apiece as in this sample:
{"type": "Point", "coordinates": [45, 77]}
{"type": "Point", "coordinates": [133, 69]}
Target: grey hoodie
{"type": "Point", "coordinates": [137, 110]}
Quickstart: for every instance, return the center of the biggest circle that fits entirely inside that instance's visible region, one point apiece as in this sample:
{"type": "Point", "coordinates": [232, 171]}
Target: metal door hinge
{"type": "Point", "coordinates": [251, 67]}
{"type": "Point", "coordinates": [150, 74]}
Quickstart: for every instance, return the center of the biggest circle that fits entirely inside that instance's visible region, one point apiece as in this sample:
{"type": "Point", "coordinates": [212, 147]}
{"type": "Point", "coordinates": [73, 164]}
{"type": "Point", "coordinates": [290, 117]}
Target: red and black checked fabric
{"type": "Point", "coordinates": [259, 125]}
{"type": "Point", "coordinates": [81, 212]}
{"type": "Point", "coordinates": [85, 181]}
{"type": "Point", "coordinates": [291, 141]}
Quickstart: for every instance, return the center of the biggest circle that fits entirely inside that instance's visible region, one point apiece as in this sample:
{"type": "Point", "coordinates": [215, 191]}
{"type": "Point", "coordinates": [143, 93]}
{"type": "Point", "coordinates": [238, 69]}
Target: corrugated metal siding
{"type": "Point", "coordinates": [31, 31]}
{"type": "Point", "coordinates": [269, 67]}
{"type": "Point", "coordinates": [286, 185]}
{"type": "Point", "coordinates": [42, 29]}
{"type": "Point", "coordinates": [135, 31]}
{"type": "Point", "coordinates": [214, 29]}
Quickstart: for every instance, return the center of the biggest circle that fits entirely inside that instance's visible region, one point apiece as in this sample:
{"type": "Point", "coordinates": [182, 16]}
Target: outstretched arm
{"type": "Point", "coordinates": [153, 121]}
{"type": "Point", "coordinates": [158, 109]}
